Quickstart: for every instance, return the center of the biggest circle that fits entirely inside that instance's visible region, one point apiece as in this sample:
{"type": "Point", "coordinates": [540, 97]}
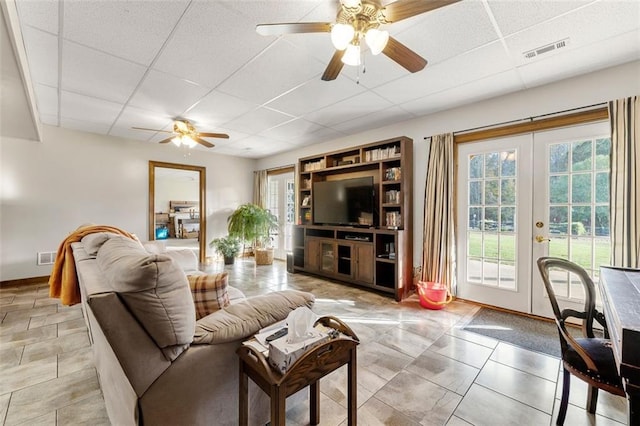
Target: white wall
{"type": "Point", "coordinates": [612, 83]}
{"type": "Point", "coordinates": [169, 189]}
{"type": "Point", "coordinates": [49, 188]}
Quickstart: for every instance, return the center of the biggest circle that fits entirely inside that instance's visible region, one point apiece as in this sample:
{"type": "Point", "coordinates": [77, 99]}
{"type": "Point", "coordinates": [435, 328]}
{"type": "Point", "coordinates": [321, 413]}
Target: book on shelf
{"type": "Point", "coordinates": [392, 197]}
{"type": "Point", "coordinates": [393, 173]}
{"type": "Point", "coordinates": [382, 153]}
{"type": "Point", "coordinates": [393, 219]}
{"type": "Point", "coordinates": [314, 165]}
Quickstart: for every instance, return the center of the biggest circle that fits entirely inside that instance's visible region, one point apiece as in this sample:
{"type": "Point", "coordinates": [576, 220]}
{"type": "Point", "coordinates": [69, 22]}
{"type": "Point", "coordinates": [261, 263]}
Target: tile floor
{"type": "Point", "coordinates": [415, 366]}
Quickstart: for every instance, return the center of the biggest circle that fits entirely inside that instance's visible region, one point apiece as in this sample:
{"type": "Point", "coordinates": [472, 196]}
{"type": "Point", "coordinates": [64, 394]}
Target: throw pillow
{"type": "Point", "coordinates": [209, 293]}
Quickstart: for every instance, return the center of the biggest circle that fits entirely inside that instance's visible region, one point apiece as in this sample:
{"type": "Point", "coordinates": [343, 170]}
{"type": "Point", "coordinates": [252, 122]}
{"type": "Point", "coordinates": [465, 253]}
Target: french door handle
{"type": "Point", "coordinates": [541, 239]}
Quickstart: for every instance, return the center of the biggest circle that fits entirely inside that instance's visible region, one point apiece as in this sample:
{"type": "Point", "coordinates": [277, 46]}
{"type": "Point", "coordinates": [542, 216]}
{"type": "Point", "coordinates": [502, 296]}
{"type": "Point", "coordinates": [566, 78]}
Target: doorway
{"type": "Point", "coordinates": [281, 202]}
{"type": "Point", "coordinates": [523, 197]}
{"type": "Point", "coordinates": [177, 206]}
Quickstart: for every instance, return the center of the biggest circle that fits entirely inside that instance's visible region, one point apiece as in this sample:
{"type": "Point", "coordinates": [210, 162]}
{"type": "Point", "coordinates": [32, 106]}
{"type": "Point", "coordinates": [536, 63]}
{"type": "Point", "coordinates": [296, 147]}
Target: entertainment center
{"type": "Point", "coordinates": [354, 209]}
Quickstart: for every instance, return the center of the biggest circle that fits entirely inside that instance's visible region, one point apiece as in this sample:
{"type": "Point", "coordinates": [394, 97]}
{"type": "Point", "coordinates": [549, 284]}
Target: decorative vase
{"type": "Point", "coordinates": [228, 260]}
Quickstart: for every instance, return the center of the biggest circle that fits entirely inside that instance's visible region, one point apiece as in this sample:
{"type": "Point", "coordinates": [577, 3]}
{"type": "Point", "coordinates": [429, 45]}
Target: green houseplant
{"type": "Point", "coordinates": [254, 225]}
{"type": "Point", "coordinates": [228, 247]}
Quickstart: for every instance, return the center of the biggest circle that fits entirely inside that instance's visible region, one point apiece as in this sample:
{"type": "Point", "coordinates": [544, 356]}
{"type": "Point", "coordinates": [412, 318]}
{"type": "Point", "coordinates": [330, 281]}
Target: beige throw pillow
{"type": "Point", "coordinates": [209, 293]}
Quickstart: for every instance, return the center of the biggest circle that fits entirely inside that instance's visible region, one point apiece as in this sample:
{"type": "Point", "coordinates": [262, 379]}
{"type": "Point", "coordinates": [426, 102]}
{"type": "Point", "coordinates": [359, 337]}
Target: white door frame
{"type": "Point", "coordinates": [517, 298]}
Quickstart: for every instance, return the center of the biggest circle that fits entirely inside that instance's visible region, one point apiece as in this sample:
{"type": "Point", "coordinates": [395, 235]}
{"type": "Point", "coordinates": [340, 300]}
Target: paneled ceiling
{"type": "Point", "coordinates": [105, 66]}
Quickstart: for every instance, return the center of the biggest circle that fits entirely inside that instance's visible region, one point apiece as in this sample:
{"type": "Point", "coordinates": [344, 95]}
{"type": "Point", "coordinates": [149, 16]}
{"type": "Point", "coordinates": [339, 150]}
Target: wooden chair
{"type": "Point", "coordinates": [589, 358]}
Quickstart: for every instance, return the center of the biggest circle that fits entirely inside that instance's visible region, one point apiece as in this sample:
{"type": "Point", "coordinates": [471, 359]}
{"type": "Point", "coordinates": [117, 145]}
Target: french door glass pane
{"type": "Point", "coordinates": [579, 207]}
{"type": "Point", "coordinates": [492, 229]}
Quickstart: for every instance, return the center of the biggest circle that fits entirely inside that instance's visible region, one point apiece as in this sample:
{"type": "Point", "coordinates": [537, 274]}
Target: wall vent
{"type": "Point", "coordinates": [46, 257]}
{"type": "Point", "coordinates": [534, 53]}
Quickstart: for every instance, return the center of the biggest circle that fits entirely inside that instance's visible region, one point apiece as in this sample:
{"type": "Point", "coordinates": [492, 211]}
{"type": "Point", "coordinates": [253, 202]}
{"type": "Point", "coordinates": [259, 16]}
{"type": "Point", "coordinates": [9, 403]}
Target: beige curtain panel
{"type": "Point", "coordinates": [624, 117]}
{"type": "Point", "coordinates": [260, 188]}
{"type": "Point", "coordinates": [438, 260]}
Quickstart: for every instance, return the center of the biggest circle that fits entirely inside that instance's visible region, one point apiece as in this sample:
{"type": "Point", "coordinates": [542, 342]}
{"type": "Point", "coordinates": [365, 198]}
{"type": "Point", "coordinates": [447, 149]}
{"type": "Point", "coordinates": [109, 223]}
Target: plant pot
{"type": "Point", "coordinates": [229, 260]}
{"type": "Point", "coordinates": [264, 256]}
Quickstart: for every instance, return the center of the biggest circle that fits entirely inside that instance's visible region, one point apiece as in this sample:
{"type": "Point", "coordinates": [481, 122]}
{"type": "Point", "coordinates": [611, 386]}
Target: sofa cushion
{"type": "Point", "coordinates": [186, 258]}
{"type": "Point", "coordinates": [209, 292]}
{"type": "Point", "coordinates": [245, 318]}
{"type": "Point", "coordinates": [93, 242]}
{"type": "Point", "coordinates": [153, 287]}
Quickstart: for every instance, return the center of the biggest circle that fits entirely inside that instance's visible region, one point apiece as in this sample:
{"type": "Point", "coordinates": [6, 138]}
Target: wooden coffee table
{"type": "Point", "coordinates": [306, 371]}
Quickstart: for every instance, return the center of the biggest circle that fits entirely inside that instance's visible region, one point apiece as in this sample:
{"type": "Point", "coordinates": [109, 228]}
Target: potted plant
{"type": "Point", "coordinates": [228, 247]}
{"type": "Point", "coordinates": [254, 224]}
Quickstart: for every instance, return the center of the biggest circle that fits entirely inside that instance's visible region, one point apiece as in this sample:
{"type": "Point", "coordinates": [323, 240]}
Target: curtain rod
{"type": "Point", "coordinates": [281, 168]}
{"type": "Point", "coordinates": [533, 118]}
{"type": "Point", "coordinates": [524, 120]}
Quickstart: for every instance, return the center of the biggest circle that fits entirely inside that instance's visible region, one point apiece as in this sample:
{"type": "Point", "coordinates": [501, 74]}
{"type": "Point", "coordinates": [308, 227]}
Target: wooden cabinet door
{"type": "Point", "coordinates": [364, 259]}
{"type": "Point", "coordinates": [312, 254]}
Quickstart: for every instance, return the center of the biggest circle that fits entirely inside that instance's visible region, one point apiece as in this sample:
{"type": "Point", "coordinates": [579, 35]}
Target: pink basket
{"type": "Point", "coordinates": [433, 295]}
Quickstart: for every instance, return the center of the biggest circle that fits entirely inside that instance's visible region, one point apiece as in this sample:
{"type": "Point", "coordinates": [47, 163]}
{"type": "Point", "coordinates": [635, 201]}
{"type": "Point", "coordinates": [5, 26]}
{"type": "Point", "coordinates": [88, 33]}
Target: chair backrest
{"type": "Point", "coordinates": [545, 265]}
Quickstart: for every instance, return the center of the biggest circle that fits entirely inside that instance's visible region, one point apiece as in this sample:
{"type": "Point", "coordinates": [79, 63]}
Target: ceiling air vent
{"type": "Point", "coordinates": [530, 54]}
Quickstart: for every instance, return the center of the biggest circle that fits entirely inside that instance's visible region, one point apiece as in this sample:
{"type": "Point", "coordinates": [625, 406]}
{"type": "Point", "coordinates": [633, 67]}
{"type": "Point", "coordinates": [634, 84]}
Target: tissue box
{"type": "Point", "coordinates": [283, 355]}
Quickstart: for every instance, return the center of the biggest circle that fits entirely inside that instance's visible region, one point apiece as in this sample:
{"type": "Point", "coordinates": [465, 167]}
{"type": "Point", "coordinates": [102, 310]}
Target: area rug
{"type": "Point", "coordinates": [529, 333]}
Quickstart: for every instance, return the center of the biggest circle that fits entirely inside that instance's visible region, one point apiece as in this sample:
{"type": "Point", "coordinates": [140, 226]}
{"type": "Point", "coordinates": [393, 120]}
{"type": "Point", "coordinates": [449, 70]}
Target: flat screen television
{"type": "Point", "coordinates": [347, 202]}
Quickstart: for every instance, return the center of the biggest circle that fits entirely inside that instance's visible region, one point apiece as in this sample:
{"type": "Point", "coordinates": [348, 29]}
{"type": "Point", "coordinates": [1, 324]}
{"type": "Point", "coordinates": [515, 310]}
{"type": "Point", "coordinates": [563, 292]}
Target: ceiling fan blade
{"type": "Point", "coordinates": [402, 9]}
{"type": "Point", "coordinates": [334, 67]}
{"type": "Point", "coordinates": [213, 135]}
{"type": "Point", "coordinates": [293, 28]}
{"type": "Point", "coordinates": [404, 56]}
{"type": "Point", "coordinates": [152, 130]}
{"type": "Point", "coordinates": [167, 140]}
{"type": "Point", "coordinates": [203, 142]}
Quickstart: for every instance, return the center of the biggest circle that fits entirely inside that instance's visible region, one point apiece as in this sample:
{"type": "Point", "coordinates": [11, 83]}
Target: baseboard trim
{"type": "Point", "coordinates": [24, 281]}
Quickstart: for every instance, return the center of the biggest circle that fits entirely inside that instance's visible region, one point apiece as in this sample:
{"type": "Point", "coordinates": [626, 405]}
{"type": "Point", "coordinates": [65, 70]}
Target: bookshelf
{"type": "Point", "coordinates": [379, 256]}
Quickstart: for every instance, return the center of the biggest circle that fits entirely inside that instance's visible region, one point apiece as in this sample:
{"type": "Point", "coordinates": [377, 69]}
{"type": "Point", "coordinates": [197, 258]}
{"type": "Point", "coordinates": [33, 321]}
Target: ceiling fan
{"type": "Point", "coordinates": [184, 133]}
{"type": "Point", "coordinates": [358, 20]}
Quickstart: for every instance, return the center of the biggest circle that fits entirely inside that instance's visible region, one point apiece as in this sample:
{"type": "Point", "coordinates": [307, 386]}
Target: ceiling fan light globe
{"type": "Point", "coordinates": [376, 40]}
{"type": "Point", "coordinates": [352, 55]}
{"type": "Point", "coordinates": [341, 35]}
{"type": "Point", "coordinates": [188, 141]}
{"type": "Point", "coordinates": [350, 4]}
{"type": "Point", "coordinates": [176, 141]}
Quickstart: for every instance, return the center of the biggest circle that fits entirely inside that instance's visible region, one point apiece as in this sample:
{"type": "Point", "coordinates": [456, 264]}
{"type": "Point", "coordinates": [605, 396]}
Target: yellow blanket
{"type": "Point", "coordinates": [63, 282]}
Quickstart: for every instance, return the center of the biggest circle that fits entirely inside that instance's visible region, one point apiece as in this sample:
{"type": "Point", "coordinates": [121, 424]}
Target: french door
{"type": "Point", "coordinates": [281, 202]}
{"type": "Point", "coordinates": [527, 196]}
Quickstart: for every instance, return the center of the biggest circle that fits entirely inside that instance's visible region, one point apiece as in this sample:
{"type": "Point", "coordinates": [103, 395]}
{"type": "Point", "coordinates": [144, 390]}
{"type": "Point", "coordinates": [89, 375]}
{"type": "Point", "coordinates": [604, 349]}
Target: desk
{"type": "Point", "coordinates": [306, 371]}
{"type": "Point", "coordinates": [620, 291]}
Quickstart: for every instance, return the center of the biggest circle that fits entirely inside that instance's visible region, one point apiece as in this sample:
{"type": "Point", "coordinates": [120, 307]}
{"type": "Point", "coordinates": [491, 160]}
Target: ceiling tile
{"type": "Point", "coordinates": [603, 19]}
{"type": "Point", "coordinates": [76, 107]}
{"type": "Point", "coordinates": [84, 125]}
{"type": "Point", "coordinates": [205, 62]}
{"type": "Point", "coordinates": [136, 117]}
{"type": "Point", "coordinates": [552, 67]}
{"type": "Point", "coordinates": [446, 32]}
{"type": "Point", "coordinates": [488, 87]}
{"type": "Point", "coordinates": [166, 94]}
{"type": "Point", "coordinates": [374, 120]}
{"type": "Point", "coordinates": [217, 108]}
{"type": "Point", "coordinates": [257, 120]}
{"type": "Point", "coordinates": [528, 13]}
{"type": "Point", "coordinates": [461, 69]}
{"type": "Point", "coordinates": [278, 69]}
{"type": "Point", "coordinates": [348, 109]}
{"type": "Point", "coordinates": [291, 130]}
{"type": "Point", "coordinates": [94, 73]}
{"type": "Point", "coordinates": [42, 54]}
{"type": "Point", "coordinates": [41, 14]}
{"type": "Point", "coordinates": [315, 94]}
{"type": "Point", "coordinates": [133, 30]}
{"type": "Point", "coordinates": [46, 99]}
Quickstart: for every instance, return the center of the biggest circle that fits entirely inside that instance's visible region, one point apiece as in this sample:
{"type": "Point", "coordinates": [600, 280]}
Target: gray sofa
{"type": "Point", "coordinates": [156, 364]}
